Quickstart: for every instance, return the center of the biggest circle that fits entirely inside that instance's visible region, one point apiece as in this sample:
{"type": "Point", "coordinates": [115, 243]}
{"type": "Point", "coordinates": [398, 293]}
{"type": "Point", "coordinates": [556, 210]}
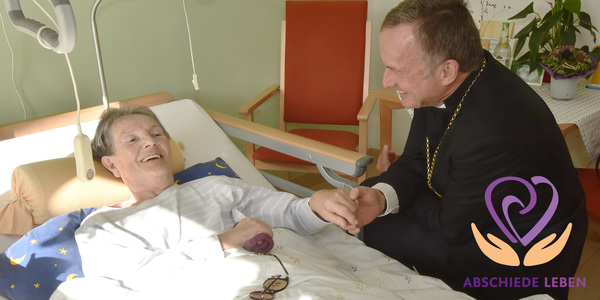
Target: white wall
{"type": "Point", "coordinates": [145, 49]}
{"type": "Point", "coordinates": [481, 10]}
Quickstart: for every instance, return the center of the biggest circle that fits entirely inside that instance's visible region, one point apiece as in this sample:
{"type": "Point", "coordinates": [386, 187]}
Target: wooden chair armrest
{"type": "Point", "coordinates": [367, 107]}
{"type": "Point", "coordinates": [338, 159]}
{"type": "Point", "coordinates": [250, 106]}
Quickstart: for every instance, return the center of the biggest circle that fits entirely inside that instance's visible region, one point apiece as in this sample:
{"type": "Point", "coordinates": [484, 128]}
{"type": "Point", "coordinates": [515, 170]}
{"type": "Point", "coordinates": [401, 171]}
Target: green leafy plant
{"type": "Point", "coordinates": [566, 61]}
{"type": "Point", "coordinates": [558, 27]}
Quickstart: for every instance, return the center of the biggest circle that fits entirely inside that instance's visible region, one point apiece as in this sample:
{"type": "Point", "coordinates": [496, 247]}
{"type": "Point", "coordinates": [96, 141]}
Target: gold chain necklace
{"type": "Point", "coordinates": [431, 164]}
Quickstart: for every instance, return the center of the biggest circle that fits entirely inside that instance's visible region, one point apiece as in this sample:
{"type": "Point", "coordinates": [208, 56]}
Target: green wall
{"type": "Point", "coordinates": [145, 50]}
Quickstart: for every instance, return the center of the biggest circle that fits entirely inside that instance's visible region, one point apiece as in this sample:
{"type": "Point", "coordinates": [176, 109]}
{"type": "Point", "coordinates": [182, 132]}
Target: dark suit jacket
{"type": "Point", "coordinates": [503, 129]}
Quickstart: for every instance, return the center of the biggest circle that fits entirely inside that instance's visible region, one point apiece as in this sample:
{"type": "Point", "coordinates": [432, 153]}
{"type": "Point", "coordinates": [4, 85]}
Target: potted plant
{"type": "Point", "coordinates": [558, 27]}
{"type": "Point", "coordinates": [566, 64]}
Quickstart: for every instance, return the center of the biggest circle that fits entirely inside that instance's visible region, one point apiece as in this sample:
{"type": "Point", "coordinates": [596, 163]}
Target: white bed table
{"type": "Point", "coordinates": [581, 113]}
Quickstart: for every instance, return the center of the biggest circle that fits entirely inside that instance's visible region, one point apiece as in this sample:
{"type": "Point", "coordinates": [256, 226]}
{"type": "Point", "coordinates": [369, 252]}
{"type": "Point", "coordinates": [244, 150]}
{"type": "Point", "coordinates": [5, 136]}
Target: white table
{"type": "Point", "coordinates": [583, 111]}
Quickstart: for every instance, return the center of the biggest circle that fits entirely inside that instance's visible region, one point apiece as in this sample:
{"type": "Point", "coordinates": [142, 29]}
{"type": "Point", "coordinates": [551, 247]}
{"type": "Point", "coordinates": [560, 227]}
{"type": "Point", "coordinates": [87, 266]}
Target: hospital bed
{"type": "Point", "coordinates": [328, 265]}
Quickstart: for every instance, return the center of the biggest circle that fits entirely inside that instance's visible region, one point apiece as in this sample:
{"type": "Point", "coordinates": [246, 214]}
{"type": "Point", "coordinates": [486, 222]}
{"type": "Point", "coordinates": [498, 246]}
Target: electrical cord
{"type": "Point", "coordinates": [81, 143]}
{"type": "Point", "coordinates": [76, 93]}
{"type": "Point", "coordinates": [12, 60]}
{"type": "Point", "coordinates": [187, 23]}
{"type": "Point", "coordinates": [75, 90]}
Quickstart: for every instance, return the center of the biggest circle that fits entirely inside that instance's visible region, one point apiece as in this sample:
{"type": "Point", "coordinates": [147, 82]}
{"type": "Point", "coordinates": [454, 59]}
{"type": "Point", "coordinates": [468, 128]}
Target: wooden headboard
{"type": "Point", "coordinates": [88, 114]}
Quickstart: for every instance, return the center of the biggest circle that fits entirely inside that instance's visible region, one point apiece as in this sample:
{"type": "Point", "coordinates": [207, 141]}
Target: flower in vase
{"type": "Point", "coordinates": [566, 61]}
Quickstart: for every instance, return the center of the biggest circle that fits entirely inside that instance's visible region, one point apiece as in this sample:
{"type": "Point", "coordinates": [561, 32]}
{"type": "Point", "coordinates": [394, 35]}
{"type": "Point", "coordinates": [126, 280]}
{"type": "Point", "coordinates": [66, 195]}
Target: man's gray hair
{"type": "Point", "coordinates": [444, 29]}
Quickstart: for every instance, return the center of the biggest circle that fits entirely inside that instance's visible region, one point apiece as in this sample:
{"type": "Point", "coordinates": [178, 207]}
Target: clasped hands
{"type": "Point", "coordinates": [349, 209]}
{"type": "Point", "coordinates": [353, 209]}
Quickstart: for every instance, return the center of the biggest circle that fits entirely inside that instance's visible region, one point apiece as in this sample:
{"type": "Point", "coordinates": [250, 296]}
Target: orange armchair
{"type": "Point", "coordinates": [325, 61]}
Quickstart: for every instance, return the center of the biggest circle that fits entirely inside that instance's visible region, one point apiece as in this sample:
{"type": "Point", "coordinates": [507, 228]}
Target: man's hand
{"type": "Point", "coordinates": [385, 159]}
{"type": "Point", "coordinates": [371, 203]}
{"type": "Point", "coordinates": [336, 207]}
{"type": "Point", "coordinates": [350, 210]}
{"type": "Point", "coordinates": [245, 230]}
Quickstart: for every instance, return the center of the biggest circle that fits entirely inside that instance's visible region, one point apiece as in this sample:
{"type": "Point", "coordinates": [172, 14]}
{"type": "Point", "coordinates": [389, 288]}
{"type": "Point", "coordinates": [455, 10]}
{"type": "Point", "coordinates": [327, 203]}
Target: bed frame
{"type": "Point", "coordinates": [329, 159]}
{"type": "Point", "coordinates": [69, 118]}
{"type": "Point", "coordinates": [332, 244]}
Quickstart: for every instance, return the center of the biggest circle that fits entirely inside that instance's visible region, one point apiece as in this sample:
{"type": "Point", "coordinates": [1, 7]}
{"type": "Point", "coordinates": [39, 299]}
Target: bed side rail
{"type": "Point", "coordinates": [329, 159]}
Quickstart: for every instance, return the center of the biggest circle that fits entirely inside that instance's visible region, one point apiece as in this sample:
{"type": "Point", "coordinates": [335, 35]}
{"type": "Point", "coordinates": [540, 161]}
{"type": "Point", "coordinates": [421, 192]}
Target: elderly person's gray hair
{"type": "Point", "coordinates": [102, 144]}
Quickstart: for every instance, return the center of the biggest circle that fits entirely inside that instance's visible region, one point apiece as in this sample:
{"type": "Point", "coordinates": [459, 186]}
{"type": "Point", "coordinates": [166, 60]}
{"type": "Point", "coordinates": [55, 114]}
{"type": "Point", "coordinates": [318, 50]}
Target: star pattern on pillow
{"type": "Point", "coordinates": [210, 168]}
{"type": "Point", "coordinates": [34, 266]}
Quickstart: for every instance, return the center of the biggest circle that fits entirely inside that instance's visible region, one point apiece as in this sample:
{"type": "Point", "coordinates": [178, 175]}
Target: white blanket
{"type": "Point", "coordinates": [328, 265]}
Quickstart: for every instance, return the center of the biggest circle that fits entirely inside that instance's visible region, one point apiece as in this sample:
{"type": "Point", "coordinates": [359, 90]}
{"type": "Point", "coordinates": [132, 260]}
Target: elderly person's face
{"type": "Point", "coordinates": [406, 71]}
{"type": "Point", "coordinates": [142, 155]}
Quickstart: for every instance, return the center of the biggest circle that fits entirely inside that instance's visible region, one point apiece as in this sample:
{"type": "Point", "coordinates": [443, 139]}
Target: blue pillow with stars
{"type": "Point", "coordinates": [214, 167]}
{"type": "Point", "coordinates": [34, 266]}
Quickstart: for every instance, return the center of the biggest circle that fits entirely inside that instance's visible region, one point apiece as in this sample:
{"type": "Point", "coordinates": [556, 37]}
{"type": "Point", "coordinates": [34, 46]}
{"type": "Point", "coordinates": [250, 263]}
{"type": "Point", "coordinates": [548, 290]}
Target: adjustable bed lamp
{"type": "Point", "coordinates": [61, 40]}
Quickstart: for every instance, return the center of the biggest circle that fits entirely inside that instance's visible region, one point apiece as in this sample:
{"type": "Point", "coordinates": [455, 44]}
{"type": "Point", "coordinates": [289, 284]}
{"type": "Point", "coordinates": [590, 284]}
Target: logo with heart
{"type": "Point", "coordinates": [500, 251]}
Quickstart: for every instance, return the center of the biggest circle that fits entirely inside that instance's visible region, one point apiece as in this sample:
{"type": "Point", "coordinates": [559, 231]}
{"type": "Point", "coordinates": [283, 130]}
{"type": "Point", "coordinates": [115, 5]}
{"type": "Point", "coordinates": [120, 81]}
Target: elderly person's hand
{"type": "Point", "coordinates": [385, 159]}
{"type": "Point", "coordinates": [243, 233]}
{"type": "Point", "coordinates": [350, 210]}
{"type": "Point", "coordinates": [335, 206]}
{"type": "Point", "coordinates": [371, 202]}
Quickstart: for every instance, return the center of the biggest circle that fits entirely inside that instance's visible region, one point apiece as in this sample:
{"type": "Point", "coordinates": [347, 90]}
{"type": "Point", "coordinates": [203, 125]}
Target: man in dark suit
{"type": "Point", "coordinates": [484, 158]}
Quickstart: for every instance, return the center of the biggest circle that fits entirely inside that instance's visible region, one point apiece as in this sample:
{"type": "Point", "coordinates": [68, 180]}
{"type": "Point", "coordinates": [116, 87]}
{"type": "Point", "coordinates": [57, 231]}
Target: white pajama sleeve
{"type": "Point", "coordinates": [278, 209]}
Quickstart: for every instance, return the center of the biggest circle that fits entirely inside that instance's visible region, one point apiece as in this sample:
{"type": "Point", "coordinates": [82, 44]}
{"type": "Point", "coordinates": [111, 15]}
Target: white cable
{"type": "Point", "coordinates": [12, 60]}
{"type": "Point", "coordinates": [75, 90]}
{"type": "Point", "coordinates": [82, 150]}
{"type": "Point", "coordinates": [187, 23]}
{"type": "Point", "coordinates": [39, 32]}
{"type": "Point", "coordinates": [46, 13]}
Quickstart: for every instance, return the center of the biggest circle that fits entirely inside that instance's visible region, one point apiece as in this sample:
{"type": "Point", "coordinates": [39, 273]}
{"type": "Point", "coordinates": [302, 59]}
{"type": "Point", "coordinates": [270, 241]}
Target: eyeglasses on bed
{"type": "Point", "coordinates": [273, 284]}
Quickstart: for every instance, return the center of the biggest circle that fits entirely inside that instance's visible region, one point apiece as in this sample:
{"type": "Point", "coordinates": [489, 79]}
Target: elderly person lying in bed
{"type": "Point", "coordinates": [164, 226]}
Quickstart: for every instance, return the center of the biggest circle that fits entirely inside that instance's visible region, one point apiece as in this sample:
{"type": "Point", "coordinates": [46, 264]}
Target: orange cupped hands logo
{"type": "Point", "coordinates": [501, 252]}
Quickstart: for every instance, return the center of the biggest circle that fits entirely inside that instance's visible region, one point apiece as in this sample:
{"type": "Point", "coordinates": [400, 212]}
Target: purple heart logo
{"type": "Point", "coordinates": [508, 200]}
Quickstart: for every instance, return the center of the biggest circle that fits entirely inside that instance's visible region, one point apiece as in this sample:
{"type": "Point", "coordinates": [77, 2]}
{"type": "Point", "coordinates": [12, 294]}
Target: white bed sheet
{"type": "Point", "coordinates": [328, 265]}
